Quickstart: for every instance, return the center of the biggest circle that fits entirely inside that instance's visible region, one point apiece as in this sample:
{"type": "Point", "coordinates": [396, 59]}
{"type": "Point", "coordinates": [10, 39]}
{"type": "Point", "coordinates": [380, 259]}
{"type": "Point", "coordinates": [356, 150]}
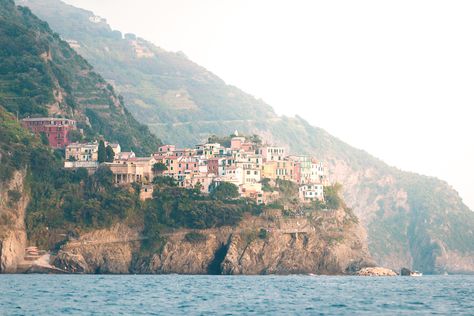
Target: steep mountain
{"type": "Point", "coordinates": [41, 75]}
{"type": "Point", "coordinates": [412, 220]}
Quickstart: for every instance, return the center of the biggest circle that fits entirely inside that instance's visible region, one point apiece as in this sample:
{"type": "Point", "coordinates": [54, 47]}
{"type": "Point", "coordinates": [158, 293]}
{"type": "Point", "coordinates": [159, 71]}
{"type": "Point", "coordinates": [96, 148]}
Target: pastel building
{"type": "Point", "coordinates": [252, 191]}
{"type": "Point", "coordinates": [237, 141]}
{"type": "Point", "coordinates": [82, 151]}
{"type": "Point", "coordinates": [317, 172]}
{"type": "Point", "coordinates": [166, 149]}
{"type": "Point", "coordinates": [283, 170]}
{"type": "Point", "coordinates": [311, 192]}
{"type": "Point", "coordinates": [203, 181]}
{"type": "Point", "coordinates": [55, 129]}
{"type": "Point", "coordinates": [234, 175]}
{"type": "Point", "coordinates": [124, 155]}
{"type": "Point", "coordinates": [251, 175]}
{"type": "Point", "coordinates": [146, 192]}
{"type": "Point", "coordinates": [304, 168]}
{"type": "Point", "coordinates": [270, 153]}
{"type": "Point", "coordinates": [136, 169]}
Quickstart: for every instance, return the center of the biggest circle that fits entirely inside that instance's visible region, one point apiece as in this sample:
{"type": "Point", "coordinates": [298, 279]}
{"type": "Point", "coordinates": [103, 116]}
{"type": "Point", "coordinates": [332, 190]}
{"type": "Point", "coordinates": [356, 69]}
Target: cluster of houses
{"type": "Point", "coordinates": [244, 164]}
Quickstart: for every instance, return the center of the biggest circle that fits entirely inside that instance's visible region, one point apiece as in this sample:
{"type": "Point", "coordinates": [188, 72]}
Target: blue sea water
{"type": "Point", "coordinates": [234, 295]}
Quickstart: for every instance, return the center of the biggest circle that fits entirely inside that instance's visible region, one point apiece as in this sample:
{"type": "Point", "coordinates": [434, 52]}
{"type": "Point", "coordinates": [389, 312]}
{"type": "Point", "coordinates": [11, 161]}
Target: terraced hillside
{"type": "Point", "coordinates": [42, 75]}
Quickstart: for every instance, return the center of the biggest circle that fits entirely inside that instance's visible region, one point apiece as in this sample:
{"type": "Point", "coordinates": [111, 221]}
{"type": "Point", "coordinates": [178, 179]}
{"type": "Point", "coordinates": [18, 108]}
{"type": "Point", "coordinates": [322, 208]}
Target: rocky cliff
{"type": "Point", "coordinates": [321, 243]}
{"type": "Point", "coordinates": [14, 199]}
{"type": "Point", "coordinates": [100, 251]}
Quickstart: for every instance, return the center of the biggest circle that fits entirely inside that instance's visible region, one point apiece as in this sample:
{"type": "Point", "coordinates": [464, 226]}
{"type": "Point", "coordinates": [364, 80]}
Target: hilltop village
{"type": "Point", "coordinates": [245, 162]}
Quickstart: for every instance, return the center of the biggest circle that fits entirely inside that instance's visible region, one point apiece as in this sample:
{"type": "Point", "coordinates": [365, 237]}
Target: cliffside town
{"type": "Point", "coordinates": [246, 163]}
{"type": "Point", "coordinates": [161, 213]}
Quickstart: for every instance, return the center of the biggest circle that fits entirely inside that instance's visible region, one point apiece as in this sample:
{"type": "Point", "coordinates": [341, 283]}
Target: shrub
{"type": "Point", "coordinates": [263, 233]}
{"type": "Point", "coordinates": [225, 191]}
{"type": "Point", "coordinates": [332, 198]}
{"type": "Point", "coordinates": [14, 196]}
{"type": "Point", "coordinates": [195, 237]}
{"type": "Point", "coordinates": [165, 181]}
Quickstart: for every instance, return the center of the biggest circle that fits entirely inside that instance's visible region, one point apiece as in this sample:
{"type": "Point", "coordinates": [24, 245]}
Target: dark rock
{"type": "Point", "coordinates": [405, 272]}
{"type": "Point", "coordinates": [358, 265]}
{"type": "Point", "coordinates": [73, 263]}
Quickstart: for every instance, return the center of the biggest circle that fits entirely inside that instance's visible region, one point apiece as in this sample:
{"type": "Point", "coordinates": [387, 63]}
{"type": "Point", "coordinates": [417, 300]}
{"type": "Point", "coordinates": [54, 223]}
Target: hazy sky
{"type": "Point", "coordinates": [395, 78]}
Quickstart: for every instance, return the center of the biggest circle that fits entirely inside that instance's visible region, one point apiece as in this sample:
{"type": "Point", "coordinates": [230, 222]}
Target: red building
{"type": "Point", "coordinates": [56, 129]}
{"type": "Point", "coordinates": [215, 166]}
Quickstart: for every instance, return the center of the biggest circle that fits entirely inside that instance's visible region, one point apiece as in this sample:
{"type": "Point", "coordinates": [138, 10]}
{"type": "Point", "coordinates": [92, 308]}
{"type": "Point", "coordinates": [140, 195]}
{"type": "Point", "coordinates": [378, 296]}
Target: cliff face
{"type": "Point", "coordinates": [323, 243]}
{"type": "Point", "coordinates": [100, 251]}
{"type": "Point", "coordinates": [13, 202]}
{"type": "Point", "coordinates": [412, 220]}
{"type": "Point", "coordinates": [329, 243]}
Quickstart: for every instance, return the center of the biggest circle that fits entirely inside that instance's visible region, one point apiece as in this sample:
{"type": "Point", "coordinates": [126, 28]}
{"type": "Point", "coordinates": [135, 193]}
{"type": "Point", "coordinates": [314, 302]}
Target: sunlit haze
{"type": "Point", "coordinates": [395, 78]}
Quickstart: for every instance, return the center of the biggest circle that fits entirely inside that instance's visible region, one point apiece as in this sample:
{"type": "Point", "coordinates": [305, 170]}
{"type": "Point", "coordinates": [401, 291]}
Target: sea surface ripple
{"type": "Point", "coordinates": [234, 295]}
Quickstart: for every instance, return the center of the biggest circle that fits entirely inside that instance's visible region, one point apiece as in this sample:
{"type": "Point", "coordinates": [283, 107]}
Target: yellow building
{"type": "Point", "coordinates": [138, 169]}
{"type": "Point", "coordinates": [283, 170]}
{"type": "Point", "coordinates": [82, 151]}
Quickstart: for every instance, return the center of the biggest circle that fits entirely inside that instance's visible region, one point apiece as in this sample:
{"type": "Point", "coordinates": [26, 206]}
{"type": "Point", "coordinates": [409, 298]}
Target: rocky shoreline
{"type": "Point", "coordinates": [259, 245]}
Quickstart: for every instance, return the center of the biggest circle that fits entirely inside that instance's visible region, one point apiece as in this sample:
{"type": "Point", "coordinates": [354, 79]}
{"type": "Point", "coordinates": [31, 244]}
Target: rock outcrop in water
{"type": "Point", "coordinates": [321, 243]}
{"type": "Point", "coordinates": [13, 202]}
{"type": "Point", "coordinates": [376, 271]}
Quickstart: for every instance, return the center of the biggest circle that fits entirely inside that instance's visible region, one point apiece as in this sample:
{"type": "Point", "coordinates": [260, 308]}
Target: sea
{"type": "Point", "coordinates": [235, 295]}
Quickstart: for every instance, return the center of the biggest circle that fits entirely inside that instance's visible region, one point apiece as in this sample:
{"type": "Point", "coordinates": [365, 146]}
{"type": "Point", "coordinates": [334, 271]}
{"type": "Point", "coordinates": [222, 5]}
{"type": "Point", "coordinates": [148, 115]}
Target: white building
{"type": "Point", "coordinates": [115, 147]}
{"type": "Point", "coordinates": [234, 175]}
{"type": "Point", "coordinates": [270, 153]}
{"type": "Point", "coordinates": [124, 155]}
{"type": "Point", "coordinates": [317, 172]}
{"type": "Point", "coordinates": [252, 175]}
{"type": "Point", "coordinates": [311, 192]}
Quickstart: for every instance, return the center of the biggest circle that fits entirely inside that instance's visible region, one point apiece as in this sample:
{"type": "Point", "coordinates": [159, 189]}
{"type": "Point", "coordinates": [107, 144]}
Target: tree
{"type": "Point", "coordinates": [44, 139]}
{"type": "Point", "coordinates": [80, 174]}
{"type": "Point", "coordinates": [74, 136]}
{"type": "Point", "coordinates": [102, 153]}
{"type": "Point", "coordinates": [198, 187]}
{"type": "Point", "coordinates": [109, 153]}
{"type": "Point", "coordinates": [165, 181]}
{"type": "Point", "coordinates": [332, 197]}
{"type": "Point", "coordinates": [225, 191]}
{"type": "Point", "coordinates": [159, 168]}
{"type": "Point", "coordinates": [103, 177]}
{"type": "Point", "coordinates": [256, 139]}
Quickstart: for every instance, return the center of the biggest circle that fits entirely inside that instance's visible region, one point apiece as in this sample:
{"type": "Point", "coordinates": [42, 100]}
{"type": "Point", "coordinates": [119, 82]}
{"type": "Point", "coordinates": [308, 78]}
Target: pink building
{"type": "Point", "coordinates": [166, 148]}
{"type": "Point", "coordinates": [56, 129]}
{"type": "Point", "coordinates": [236, 142]}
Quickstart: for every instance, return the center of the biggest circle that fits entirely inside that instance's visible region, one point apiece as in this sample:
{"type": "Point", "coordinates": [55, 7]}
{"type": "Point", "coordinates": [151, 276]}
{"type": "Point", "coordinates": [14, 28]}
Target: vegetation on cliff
{"type": "Point", "coordinates": [174, 207]}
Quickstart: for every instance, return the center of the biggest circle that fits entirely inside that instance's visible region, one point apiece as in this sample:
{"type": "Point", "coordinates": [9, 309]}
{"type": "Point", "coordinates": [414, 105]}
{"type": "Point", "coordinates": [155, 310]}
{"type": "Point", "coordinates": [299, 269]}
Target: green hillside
{"type": "Point", "coordinates": [41, 75]}
{"type": "Point", "coordinates": [412, 220]}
